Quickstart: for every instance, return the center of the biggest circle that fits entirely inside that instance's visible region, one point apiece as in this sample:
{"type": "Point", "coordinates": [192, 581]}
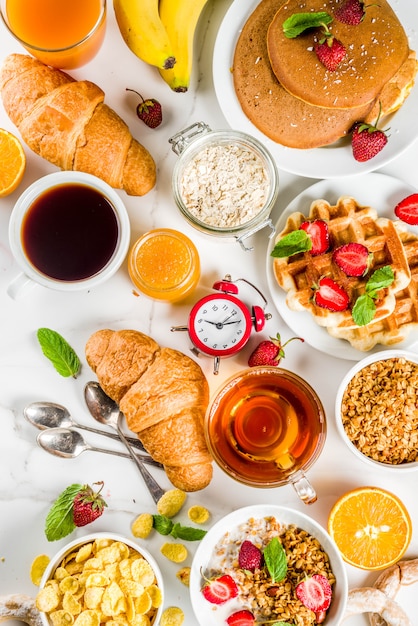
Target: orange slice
{"type": "Point", "coordinates": [371, 527]}
{"type": "Point", "coordinates": [12, 162]}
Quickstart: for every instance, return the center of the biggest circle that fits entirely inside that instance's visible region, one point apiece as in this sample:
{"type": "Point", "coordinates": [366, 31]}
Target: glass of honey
{"type": "Point", "coordinates": [265, 427]}
{"type": "Point", "coordinates": [65, 35]}
{"type": "Point", "coordinates": [164, 265]}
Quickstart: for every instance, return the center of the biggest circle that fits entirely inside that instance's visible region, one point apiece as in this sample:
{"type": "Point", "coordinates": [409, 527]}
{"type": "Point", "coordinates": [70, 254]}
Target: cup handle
{"type": "Point", "coordinates": [20, 286]}
{"type": "Point", "coordinates": [303, 488]}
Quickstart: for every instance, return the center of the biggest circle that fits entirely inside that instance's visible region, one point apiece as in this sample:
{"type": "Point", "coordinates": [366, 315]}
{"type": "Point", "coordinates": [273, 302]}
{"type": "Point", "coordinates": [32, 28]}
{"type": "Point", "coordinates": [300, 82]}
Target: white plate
{"type": "Point", "coordinates": [209, 614]}
{"type": "Point", "coordinates": [377, 190]}
{"type": "Point", "coordinates": [329, 162]}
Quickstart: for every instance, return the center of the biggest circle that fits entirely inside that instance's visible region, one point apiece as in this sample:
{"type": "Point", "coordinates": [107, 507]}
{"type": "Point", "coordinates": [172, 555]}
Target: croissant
{"type": "Point", "coordinates": [66, 122]}
{"type": "Point", "coordinates": [163, 394]}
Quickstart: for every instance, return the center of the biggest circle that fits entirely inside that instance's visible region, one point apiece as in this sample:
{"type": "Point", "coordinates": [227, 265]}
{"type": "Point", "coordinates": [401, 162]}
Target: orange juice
{"type": "Point", "coordinates": [265, 425]}
{"type": "Point", "coordinates": [59, 33]}
{"type": "Point", "coordinates": [164, 265]}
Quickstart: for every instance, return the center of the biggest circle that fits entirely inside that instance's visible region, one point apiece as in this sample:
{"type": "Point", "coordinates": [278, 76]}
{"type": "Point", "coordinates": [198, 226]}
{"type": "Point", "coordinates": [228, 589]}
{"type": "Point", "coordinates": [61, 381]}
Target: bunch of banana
{"type": "Point", "coordinates": [143, 31]}
{"type": "Point", "coordinates": [180, 18]}
{"type": "Point", "coordinates": [161, 33]}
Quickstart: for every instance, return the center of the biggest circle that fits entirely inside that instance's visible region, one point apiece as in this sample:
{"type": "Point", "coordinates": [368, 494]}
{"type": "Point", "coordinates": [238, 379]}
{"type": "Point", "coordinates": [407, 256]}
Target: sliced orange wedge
{"type": "Point", "coordinates": [12, 162]}
{"type": "Point", "coordinates": [371, 527]}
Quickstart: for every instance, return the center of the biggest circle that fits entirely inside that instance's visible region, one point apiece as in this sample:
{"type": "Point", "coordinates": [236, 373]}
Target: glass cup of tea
{"type": "Point", "coordinates": [65, 35]}
{"type": "Point", "coordinates": [265, 427]}
{"type": "Point", "coordinates": [69, 231]}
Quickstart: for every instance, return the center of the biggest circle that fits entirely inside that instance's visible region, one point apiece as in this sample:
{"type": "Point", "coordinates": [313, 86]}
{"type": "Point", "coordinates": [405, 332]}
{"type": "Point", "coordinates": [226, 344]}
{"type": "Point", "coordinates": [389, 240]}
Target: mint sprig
{"type": "Point", "coordinates": [299, 22]}
{"type": "Point", "coordinates": [364, 308]}
{"type": "Point", "coordinates": [59, 352]}
{"type": "Point", "coordinates": [59, 522]}
{"type": "Point", "coordinates": [165, 526]}
{"type": "Point", "coordinates": [293, 243]}
{"type": "Point", "coordinates": [275, 560]}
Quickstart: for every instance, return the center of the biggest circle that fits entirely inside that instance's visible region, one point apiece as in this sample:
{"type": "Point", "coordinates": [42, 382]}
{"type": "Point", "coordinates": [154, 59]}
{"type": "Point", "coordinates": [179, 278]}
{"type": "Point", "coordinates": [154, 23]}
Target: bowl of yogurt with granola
{"type": "Point", "coordinates": [268, 564]}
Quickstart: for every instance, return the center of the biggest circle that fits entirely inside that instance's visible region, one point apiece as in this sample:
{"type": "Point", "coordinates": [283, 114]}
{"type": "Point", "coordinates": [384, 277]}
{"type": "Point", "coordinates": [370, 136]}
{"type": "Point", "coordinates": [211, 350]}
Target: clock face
{"type": "Point", "coordinates": [220, 325]}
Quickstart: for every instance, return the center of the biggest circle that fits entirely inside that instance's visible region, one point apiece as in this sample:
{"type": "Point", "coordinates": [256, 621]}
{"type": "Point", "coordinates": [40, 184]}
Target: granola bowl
{"type": "Point", "coordinates": [105, 575]}
{"type": "Point", "coordinates": [267, 594]}
{"type": "Point", "coordinates": [225, 183]}
{"type": "Point", "coordinates": [376, 410]}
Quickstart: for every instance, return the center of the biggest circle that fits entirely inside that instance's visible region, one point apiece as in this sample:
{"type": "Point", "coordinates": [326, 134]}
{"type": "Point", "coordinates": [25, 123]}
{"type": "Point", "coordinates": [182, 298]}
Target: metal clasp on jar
{"type": "Point", "coordinates": [249, 233]}
{"type": "Point", "coordinates": [181, 140]}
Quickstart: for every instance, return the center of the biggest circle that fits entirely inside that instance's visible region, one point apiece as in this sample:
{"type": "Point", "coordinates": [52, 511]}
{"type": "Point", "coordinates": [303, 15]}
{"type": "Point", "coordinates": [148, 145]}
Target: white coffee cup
{"type": "Point", "coordinates": [104, 209]}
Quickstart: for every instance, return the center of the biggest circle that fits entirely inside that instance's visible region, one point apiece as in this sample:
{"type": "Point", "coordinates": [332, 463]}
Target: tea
{"type": "Point", "coordinates": [48, 27]}
{"type": "Point", "coordinates": [70, 232]}
{"type": "Point", "coordinates": [265, 426]}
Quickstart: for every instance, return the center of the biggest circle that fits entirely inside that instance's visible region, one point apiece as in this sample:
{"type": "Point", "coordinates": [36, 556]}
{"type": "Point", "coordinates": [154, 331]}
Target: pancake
{"type": "Point", "coordinates": [274, 111]}
{"type": "Point", "coordinates": [376, 49]}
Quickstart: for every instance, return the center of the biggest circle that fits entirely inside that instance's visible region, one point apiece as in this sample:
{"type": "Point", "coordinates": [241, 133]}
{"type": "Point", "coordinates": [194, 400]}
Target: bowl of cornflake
{"type": "Point", "coordinates": [101, 578]}
{"type": "Point", "coordinates": [265, 564]}
{"type": "Point", "coordinates": [376, 410]}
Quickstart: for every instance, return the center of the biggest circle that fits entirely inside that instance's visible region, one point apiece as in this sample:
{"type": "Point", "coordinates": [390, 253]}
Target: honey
{"type": "Point", "coordinates": [164, 265]}
{"type": "Point", "coordinates": [265, 425]}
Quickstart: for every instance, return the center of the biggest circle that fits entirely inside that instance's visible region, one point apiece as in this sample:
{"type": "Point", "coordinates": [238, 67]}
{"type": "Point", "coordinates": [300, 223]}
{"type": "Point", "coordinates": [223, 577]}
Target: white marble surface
{"type": "Point", "coordinates": [30, 479]}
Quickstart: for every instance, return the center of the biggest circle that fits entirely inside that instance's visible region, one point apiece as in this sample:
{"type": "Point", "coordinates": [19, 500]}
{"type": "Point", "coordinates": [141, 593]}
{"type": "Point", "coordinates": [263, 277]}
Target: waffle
{"type": "Point", "coordinates": [347, 222]}
{"type": "Point", "coordinates": [398, 325]}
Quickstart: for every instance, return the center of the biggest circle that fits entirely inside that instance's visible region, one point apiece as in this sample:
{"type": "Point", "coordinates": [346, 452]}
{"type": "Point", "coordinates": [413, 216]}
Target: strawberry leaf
{"type": "Point", "coordinates": [299, 22]}
{"type": "Point", "coordinates": [59, 352]}
{"type": "Point", "coordinates": [275, 559]}
{"type": "Point", "coordinates": [59, 522]}
{"type": "Point", "coordinates": [295, 242]}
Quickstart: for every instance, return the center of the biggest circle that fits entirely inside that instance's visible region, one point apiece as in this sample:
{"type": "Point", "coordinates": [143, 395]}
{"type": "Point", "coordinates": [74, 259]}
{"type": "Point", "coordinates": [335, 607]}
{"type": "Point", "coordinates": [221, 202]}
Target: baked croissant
{"type": "Point", "coordinates": [66, 122]}
{"type": "Point", "coordinates": [163, 394]}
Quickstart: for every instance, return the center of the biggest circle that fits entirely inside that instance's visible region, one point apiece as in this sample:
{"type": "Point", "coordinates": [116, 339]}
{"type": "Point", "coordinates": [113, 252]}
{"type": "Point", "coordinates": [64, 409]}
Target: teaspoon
{"type": "Point", "coordinates": [51, 415]}
{"type": "Point", "coordinates": [106, 411]}
{"type": "Point", "coordinates": [69, 444]}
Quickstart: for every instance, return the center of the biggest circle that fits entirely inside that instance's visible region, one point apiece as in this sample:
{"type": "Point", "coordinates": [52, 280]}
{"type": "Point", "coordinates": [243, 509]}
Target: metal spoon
{"type": "Point", "coordinates": [106, 411]}
{"type": "Point", "coordinates": [51, 415]}
{"type": "Point", "coordinates": [69, 444]}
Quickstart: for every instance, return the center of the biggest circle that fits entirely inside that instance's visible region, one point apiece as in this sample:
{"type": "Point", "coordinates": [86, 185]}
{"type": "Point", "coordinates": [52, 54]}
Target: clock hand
{"type": "Point", "coordinates": [233, 322]}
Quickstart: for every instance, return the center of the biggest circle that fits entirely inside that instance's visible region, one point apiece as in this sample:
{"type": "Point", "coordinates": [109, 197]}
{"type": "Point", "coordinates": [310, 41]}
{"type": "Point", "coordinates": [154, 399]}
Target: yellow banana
{"type": "Point", "coordinates": [180, 18]}
{"type": "Point", "coordinates": [143, 31]}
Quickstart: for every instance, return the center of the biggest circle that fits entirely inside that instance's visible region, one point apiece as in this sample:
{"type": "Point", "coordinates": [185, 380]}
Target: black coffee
{"type": "Point", "coordinates": [70, 232]}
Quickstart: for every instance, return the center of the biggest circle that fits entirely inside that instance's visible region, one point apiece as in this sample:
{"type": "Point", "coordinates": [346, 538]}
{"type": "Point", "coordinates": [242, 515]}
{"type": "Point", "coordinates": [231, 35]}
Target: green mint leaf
{"type": "Point", "coordinates": [59, 352]}
{"type": "Point", "coordinates": [293, 243]}
{"type": "Point", "coordinates": [299, 22]}
{"type": "Point", "coordinates": [187, 533]}
{"type": "Point", "coordinates": [275, 559]}
{"type": "Point", "coordinates": [59, 522]}
{"type": "Point", "coordinates": [364, 310]}
{"type": "Point", "coordinates": [380, 279]}
{"type": "Point", "coordinates": [162, 524]}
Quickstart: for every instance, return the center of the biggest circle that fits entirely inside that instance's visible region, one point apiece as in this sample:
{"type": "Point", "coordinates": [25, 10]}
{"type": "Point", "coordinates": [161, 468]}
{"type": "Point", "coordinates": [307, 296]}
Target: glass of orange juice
{"type": "Point", "coordinates": [59, 33]}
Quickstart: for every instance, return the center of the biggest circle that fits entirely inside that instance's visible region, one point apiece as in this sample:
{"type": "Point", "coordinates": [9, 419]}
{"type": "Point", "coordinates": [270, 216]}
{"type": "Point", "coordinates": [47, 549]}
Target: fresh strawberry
{"type": "Point", "coordinates": [351, 12]}
{"type": "Point", "coordinates": [367, 141]}
{"type": "Point", "coordinates": [330, 51]}
{"type": "Point", "coordinates": [220, 590]}
{"type": "Point", "coordinates": [329, 295]}
{"type": "Point", "coordinates": [149, 111]}
{"type": "Point", "coordinates": [315, 593]}
{"type": "Point", "coordinates": [88, 505]}
{"type": "Point", "coordinates": [269, 352]}
{"type": "Point", "coordinates": [407, 209]}
{"type": "Point", "coordinates": [353, 258]}
{"type": "Point", "coordinates": [241, 618]}
{"type": "Point", "coordinates": [249, 557]}
{"type": "Point", "coordinates": [319, 234]}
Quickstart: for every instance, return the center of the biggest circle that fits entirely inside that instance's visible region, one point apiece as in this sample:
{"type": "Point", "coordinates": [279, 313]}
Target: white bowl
{"type": "Point", "coordinates": [372, 358]}
{"type": "Point", "coordinates": [73, 546]}
{"type": "Point", "coordinates": [208, 614]}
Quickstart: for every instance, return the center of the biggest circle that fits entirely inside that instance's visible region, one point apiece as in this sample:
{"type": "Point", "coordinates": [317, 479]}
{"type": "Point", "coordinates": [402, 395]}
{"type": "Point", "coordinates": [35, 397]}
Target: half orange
{"type": "Point", "coordinates": [12, 162]}
{"type": "Point", "coordinates": [371, 527]}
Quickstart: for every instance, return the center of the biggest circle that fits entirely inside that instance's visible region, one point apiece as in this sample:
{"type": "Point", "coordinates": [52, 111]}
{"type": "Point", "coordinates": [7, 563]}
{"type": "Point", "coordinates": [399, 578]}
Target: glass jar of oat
{"type": "Point", "coordinates": [225, 182]}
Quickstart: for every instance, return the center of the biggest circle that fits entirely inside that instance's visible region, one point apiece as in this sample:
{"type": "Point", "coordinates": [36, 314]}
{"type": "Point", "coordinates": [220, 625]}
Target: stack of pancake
{"type": "Point", "coordinates": [289, 95]}
{"type": "Point", "coordinates": [389, 242]}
